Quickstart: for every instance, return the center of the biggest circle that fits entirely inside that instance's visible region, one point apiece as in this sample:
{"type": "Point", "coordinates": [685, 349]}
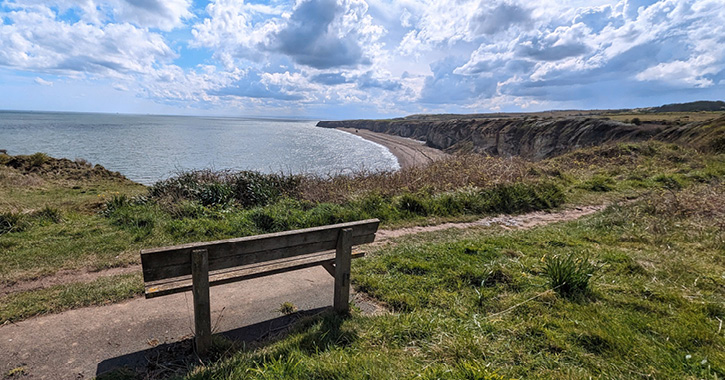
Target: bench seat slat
{"type": "Point", "coordinates": [226, 276]}
{"type": "Point", "coordinates": [175, 261]}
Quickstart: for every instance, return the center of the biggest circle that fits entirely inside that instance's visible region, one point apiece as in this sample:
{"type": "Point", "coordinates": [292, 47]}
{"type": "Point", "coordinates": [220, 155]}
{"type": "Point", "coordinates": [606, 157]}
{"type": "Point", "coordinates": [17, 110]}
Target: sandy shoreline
{"type": "Point", "coordinates": [409, 152]}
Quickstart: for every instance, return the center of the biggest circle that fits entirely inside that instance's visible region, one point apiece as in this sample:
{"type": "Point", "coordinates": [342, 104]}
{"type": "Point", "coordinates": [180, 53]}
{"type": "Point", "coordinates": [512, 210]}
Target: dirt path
{"type": "Point", "coordinates": [409, 152]}
{"type": "Point", "coordinates": [529, 220]}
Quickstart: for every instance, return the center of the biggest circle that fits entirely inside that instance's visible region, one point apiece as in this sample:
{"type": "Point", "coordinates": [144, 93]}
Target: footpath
{"type": "Point", "coordinates": [146, 335]}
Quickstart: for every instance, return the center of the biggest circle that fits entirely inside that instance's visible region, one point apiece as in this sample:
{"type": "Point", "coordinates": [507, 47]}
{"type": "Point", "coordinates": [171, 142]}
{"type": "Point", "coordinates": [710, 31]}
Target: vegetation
{"type": "Point", "coordinates": [485, 304]}
{"type": "Point", "coordinates": [632, 292]}
{"type": "Point", "coordinates": [92, 220]}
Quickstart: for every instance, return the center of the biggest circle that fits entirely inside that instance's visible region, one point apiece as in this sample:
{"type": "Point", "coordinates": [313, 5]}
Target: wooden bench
{"type": "Point", "coordinates": [197, 266]}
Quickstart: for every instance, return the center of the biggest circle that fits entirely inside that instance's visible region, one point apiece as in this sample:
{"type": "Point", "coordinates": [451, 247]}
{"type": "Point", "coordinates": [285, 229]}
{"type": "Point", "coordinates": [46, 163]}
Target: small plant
{"type": "Point", "coordinates": [48, 215]}
{"type": "Point", "coordinates": [287, 308]}
{"type": "Point", "coordinates": [599, 183]}
{"type": "Point", "coordinates": [636, 121]}
{"type": "Point", "coordinates": [568, 275]}
{"type": "Point", "coordinates": [11, 222]}
{"type": "Point", "coordinates": [38, 159]}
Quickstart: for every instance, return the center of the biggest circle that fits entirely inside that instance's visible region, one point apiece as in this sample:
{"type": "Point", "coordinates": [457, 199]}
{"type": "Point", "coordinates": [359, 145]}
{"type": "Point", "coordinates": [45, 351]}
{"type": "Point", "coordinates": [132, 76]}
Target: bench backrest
{"type": "Point", "coordinates": [171, 262]}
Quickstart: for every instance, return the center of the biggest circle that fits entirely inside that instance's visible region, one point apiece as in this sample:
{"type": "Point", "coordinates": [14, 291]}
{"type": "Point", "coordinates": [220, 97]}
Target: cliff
{"type": "Point", "coordinates": [532, 138]}
{"type": "Point", "coordinates": [529, 137]}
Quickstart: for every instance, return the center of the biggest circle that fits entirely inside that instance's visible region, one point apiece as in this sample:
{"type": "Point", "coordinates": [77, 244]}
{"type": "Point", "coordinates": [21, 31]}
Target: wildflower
{"type": "Point", "coordinates": [688, 357]}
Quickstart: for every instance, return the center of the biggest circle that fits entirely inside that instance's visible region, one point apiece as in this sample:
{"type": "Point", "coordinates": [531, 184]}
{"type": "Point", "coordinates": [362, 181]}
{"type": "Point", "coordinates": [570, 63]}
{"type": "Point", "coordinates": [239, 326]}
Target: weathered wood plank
{"type": "Point", "coordinates": [223, 262]}
{"type": "Point", "coordinates": [184, 283]}
{"type": "Point", "coordinates": [202, 306]}
{"type": "Point", "coordinates": [174, 261]}
{"type": "Point", "coordinates": [343, 254]}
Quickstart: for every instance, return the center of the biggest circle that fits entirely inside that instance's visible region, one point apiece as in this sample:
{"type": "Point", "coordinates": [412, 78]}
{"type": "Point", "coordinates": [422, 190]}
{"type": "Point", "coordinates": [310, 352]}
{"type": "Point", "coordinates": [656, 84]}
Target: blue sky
{"type": "Point", "coordinates": [341, 59]}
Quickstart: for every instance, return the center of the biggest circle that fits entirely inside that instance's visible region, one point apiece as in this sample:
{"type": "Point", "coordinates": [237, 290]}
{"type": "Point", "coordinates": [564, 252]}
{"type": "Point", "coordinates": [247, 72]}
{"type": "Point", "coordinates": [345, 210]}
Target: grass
{"type": "Point", "coordinates": [104, 290]}
{"type": "Point", "coordinates": [90, 219]}
{"type": "Point", "coordinates": [479, 304]}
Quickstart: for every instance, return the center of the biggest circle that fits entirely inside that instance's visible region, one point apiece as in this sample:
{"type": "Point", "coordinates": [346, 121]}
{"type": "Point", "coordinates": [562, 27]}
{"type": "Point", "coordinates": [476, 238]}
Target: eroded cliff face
{"type": "Point", "coordinates": [532, 138]}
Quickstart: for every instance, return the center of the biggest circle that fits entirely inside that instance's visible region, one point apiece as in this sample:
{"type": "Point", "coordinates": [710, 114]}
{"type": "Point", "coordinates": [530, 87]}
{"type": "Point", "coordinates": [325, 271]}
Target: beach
{"type": "Point", "coordinates": [409, 152]}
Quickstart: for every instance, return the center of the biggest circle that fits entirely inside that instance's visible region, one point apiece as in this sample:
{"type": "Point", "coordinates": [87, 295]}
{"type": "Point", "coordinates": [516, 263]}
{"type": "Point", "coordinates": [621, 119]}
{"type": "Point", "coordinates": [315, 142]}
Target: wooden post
{"type": "Point", "coordinates": [202, 307]}
{"type": "Point", "coordinates": [343, 256]}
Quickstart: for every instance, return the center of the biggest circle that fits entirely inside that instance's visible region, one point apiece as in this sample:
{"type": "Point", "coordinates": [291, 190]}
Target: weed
{"type": "Point", "coordinates": [11, 222]}
{"type": "Point", "coordinates": [48, 215]}
{"type": "Point", "coordinates": [569, 275]}
{"type": "Point", "coordinates": [287, 308]}
{"type": "Point", "coordinates": [38, 159]}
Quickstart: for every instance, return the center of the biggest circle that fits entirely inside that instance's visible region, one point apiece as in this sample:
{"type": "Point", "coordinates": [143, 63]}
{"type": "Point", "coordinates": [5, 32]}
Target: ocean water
{"type": "Point", "coordinates": [150, 148]}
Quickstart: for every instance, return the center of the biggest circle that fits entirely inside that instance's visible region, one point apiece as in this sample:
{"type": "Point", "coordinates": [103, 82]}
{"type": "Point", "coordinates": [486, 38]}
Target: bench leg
{"type": "Point", "coordinates": [202, 307]}
{"type": "Point", "coordinates": [343, 257]}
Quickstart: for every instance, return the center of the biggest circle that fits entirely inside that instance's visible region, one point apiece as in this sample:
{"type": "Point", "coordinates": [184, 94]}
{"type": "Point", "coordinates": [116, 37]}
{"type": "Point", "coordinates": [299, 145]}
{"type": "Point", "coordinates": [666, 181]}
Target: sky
{"type": "Point", "coordinates": [338, 59]}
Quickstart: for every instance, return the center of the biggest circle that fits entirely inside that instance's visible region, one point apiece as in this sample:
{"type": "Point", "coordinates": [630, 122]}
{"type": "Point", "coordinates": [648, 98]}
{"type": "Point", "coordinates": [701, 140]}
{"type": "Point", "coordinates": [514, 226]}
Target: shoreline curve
{"type": "Point", "coordinates": [409, 152]}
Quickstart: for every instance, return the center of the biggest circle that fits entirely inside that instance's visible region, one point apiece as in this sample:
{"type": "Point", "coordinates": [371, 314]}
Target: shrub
{"type": "Point", "coordinates": [215, 193]}
{"type": "Point", "coordinates": [569, 276]}
{"type": "Point", "coordinates": [413, 203]}
{"type": "Point", "coordinates": [256, 189]}
{"type": "Point", "coordinates": [636, 121]}
{"type": "Point", "coordinates": [247, 188]}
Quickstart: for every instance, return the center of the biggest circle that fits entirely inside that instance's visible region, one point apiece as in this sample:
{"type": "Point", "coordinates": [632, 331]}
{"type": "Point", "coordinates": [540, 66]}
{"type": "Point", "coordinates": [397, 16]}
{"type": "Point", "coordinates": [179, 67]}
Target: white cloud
{"type": "Point", "coordinates": [42, 81]}
{"type": "Point", "coordinates": [161, 14]}
{"type": "Point", "coordinates": [38, 41]}
{"type": "Point", "coordinates": [402, 56]}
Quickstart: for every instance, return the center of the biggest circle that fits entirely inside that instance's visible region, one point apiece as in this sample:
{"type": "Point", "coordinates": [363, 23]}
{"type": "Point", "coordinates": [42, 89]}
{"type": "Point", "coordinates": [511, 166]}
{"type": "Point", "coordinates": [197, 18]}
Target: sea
{"type": "Point", "coordinates": [149, 148]}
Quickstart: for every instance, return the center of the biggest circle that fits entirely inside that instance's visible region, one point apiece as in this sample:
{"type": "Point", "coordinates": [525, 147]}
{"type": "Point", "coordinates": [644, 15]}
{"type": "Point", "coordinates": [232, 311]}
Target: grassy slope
{"type": "Point", "coordinates": [79, 235]}
{"type": "Point", "coordinates": [476, 304]}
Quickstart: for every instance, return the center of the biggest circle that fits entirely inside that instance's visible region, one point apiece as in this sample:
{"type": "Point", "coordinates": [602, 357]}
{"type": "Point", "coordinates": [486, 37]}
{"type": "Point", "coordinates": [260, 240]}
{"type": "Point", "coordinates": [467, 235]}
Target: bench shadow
{"type": "Point", "coordinates": [170, 358]}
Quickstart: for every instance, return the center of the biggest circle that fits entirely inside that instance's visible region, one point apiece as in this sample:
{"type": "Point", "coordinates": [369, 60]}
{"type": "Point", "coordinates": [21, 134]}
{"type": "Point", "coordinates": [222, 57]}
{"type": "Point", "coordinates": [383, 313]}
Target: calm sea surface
{"type": "Point", "coordinates": [149, 148]}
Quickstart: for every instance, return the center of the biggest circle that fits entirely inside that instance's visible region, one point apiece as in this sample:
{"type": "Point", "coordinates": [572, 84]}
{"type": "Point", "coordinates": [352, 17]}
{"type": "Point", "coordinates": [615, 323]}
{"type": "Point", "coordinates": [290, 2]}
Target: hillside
{"type": "Point", "coordinates": [537, 137]}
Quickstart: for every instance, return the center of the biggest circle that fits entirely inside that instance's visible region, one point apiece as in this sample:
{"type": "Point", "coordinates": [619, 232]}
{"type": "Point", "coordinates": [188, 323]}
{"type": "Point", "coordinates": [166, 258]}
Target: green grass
{"type": "Point", "coordinates": [88, 220]}
{"type": "Point", "coordinates": [104, 290]}
{"type": "Point", "coordinates": [478, 303]}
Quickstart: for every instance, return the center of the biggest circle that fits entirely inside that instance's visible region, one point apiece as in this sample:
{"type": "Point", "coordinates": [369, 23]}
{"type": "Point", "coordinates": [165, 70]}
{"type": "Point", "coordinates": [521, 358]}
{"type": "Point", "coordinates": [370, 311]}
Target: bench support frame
{"type": "Point", "coordinates": [200, 282]}
{"type": "Point", "coordinates": [202, 305]}
{"type": "Point", "coordinates": [198, 266]}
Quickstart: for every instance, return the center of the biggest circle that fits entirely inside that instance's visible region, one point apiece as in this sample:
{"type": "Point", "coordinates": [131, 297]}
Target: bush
{"type": "Point", "coordinates": [256, 189]}
{"type": "Point", "coordinates": [414, 204]}
{"type": "Point", "coordinates": [569, 276]}
{"type": "Point", "coordinates": [215, 193]}
{"type": "Point", "coordinates": [247, 188]}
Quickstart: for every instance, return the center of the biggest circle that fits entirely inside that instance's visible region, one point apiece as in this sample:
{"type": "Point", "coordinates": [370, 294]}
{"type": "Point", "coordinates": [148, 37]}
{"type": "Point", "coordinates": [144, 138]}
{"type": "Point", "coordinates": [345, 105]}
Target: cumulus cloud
{"type": "Point", "coordinates": [309, 38]}
{"type": "Point", "coordinates": [321, 34]}
{"type": "Point", "coordinates": [406, 56]}
{"type": "Point", "coordinates": [36, 40]}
